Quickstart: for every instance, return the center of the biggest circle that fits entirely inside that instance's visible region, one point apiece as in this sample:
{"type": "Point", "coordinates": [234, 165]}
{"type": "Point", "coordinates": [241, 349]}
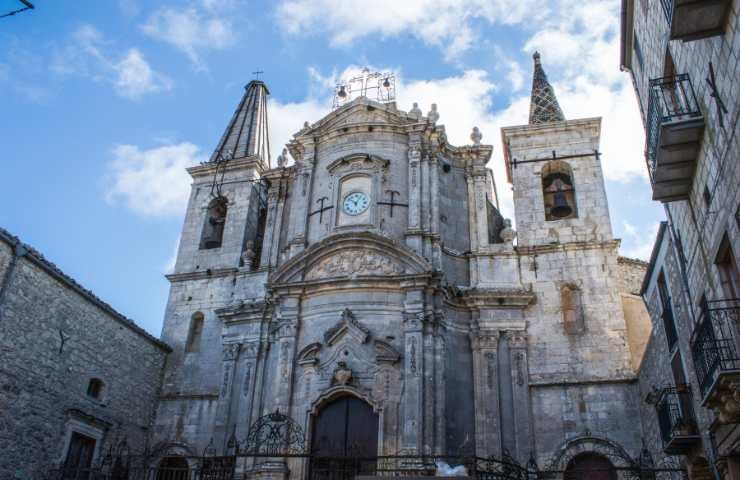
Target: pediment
{"type": "Point", "coordinates": [351, 256]}
{"type": "Point", "coordinates": [359, 112]}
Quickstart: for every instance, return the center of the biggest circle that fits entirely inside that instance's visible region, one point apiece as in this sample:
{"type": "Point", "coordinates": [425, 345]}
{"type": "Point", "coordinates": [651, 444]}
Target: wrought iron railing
{"type": "Point", "coordinates": [671, 99]}
{"type": "Point", "coordinates": [668, 10]}
{"type": "Point", "coordinates": [669, 324]}
{"type": "Point", "coordinates": [715, 342]}
{"type": "Point", "coordinates": [675, 413]}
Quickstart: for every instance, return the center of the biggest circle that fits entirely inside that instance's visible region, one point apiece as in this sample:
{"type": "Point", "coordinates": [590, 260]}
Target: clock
{"type": "Point", "coordinates": [355, 203]}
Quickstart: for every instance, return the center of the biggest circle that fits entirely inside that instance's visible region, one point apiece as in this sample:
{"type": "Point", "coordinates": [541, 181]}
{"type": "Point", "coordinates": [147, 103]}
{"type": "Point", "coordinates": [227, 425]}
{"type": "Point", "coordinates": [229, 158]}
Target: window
{"type": "Point", "coordinates": [213, 229]}
{"type": "Point", "coordinates": [571, 305]}
{"type": "Point", "coordinates": [195, 333]}
{"type": "Point", "coordinates": [79, 456]}
{"type": "Point", "coordinates": [729, 276]}
{"type": "Point", "coordinates": [667, 312]}
{"type": "Point", "coordinates": [558, 191]}
{"type": "Point", "coordinates": [638, 51]}
{"type": "Point", "coordinates": [95, 388]}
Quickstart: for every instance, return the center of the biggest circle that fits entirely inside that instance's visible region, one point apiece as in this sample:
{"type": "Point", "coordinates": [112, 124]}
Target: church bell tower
{"type": "Point", "coordinates": [555, 169]}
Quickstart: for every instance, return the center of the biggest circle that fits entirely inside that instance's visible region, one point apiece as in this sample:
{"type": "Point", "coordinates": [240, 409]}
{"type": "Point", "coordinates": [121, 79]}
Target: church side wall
{"type": "Point", "coordinates": [454, 224]}
{"type": "Point", "coordinates": [44, 382]}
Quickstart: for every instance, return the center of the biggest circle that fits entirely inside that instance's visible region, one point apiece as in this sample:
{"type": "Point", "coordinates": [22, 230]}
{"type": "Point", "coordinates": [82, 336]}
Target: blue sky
{"type": "Point", "coordinates": [103, 105]}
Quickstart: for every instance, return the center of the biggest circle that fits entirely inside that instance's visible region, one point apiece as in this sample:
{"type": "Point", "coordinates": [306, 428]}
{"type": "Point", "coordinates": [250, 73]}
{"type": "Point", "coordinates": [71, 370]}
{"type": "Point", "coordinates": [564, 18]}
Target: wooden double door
{"type": "Point", "coordinates": [344, 442]}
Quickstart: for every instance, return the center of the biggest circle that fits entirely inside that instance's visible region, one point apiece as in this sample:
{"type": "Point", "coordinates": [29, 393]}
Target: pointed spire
{"type": "Point", "coordinates": [247, 134]}
{"type": "Point", "coordinates": [544, 107]}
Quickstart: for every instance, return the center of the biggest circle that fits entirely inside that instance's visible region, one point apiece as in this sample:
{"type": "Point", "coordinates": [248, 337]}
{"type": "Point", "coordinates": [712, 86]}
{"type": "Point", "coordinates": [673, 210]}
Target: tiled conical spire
{"type": "Point", "coordinates": [544, 106]}
{"type": "Point", "coordinates": [247, 134]}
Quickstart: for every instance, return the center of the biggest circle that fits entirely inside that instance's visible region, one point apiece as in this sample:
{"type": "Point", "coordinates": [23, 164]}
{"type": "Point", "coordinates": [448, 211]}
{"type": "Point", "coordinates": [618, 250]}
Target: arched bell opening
{"type": "Point", "coordinates": [558, 191]}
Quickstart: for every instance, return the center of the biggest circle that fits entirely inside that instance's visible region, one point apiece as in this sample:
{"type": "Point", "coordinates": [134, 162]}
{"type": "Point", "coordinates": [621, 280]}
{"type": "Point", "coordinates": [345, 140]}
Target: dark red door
{"type": "Point", "coordinates": [590, 466]}
{"type": "Point", "coordinates": [345, 440]}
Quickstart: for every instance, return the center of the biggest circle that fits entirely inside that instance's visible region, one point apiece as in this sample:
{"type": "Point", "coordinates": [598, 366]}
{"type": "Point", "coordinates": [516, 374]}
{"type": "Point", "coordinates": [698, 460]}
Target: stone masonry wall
{"type": "Point", "coordinates": [44, 380]}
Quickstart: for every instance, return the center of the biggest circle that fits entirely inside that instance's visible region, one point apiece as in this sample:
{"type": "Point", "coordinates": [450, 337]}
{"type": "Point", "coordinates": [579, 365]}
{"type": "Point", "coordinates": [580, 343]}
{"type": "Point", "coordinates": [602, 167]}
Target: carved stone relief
{"type": "Point", "coordinates": [354, 262]}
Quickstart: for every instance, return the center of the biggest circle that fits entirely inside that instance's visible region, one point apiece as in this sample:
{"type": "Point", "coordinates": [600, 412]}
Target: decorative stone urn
{"type": "Point", "coordinates": [342, 374]}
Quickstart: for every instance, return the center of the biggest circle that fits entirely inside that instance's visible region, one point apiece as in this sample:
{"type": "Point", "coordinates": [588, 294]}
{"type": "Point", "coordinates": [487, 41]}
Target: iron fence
{"type": "Point", "coordinates": [714, 345]}
{"type": "Point", "coordinates": [670, 99]}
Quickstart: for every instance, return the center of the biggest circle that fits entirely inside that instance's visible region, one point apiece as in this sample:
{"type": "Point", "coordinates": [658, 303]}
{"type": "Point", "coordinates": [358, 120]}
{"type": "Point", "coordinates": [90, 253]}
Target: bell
{"type": "Point", "coordinates": [342, 92]}
{"type": "Point", "coordinates": [386, 82]}
{"type": "Point", "coordinates": [560, 208]}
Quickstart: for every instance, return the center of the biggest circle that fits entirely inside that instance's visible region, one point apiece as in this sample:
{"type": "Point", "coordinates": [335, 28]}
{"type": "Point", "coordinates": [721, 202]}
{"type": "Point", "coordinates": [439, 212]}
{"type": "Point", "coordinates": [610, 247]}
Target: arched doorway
{"type": "Point", "coordinates": [344, 440]}
{"type": "Point", "coordinates": [173, 468]}
{"type": "Point", "coordinates": [590, 466]}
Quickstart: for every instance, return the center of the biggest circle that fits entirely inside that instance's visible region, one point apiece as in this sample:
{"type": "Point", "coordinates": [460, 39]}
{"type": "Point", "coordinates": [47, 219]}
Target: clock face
{"type": "Point", "coordinates": [355, 203]}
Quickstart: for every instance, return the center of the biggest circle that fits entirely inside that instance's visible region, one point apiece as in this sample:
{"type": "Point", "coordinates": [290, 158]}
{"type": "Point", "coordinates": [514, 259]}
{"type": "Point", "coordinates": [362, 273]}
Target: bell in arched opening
{"type": "Point", "coordinates": [558, 192]}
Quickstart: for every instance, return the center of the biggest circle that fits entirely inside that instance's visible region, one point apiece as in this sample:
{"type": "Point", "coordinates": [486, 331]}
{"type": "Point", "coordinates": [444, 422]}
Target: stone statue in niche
{"type": "Point", "coordinates": [248, 255]}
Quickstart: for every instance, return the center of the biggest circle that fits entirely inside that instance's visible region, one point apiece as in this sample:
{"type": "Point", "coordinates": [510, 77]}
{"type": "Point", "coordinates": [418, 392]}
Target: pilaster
{"type": "Point", "coordinates": [484, 344]}
{"type": "Point", "coordinates": [413, 235]}
{"type": "Point", "coordinates": [301, 198]}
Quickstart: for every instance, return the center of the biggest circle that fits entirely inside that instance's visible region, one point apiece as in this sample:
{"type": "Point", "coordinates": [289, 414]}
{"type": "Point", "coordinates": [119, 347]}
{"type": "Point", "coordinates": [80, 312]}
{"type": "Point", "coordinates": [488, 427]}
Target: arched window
{"type": "Point", "coordinates": [95, 388]}
{"type": "Point", "coordinates": [571, 306]}
{"type": "Point", "coordinates": [195, 333]}
{"type": "Point", "coordinates": [558, 191]}
{"type": "Point", "coordinates": [213, 229]}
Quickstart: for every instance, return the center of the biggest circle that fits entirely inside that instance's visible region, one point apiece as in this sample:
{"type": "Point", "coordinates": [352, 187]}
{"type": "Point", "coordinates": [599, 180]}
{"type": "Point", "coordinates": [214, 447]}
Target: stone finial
{"type": "Point", "coordinates": [433, 114]}
{"type": "Point", "coordinates": [415, 111]}
{"type": "Point", "coordinates": [476, 136]}
{"type": "Point", "coordinates": [282, 159]}
{"type": "Point", "coordinates": [248, 254]}
{"type": "Point", "coordinates": [507, 233]}
{"type": "Point", "coordinates": [306, 125]}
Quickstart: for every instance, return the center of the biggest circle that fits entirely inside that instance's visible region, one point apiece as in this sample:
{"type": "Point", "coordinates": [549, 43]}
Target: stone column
{"type": "Point", "coordinates": [230, 354]}
{"type": "Point", "coordinates": [439, 394]}
{"type": "Point", "coordinates": [301, 200]}
{"type": "Point", "coordinates": [472, 225]}
{"type": "Point", "coordinates": [436, 253]}
{"type": "Point", "coordinates": [484, 345]}
{"type": "Point", "coordinates": [270, 243]}
{"type": "Point", "coordinates": [413, 234]}
{"type": "Point", "coordinates": [285, 345]}
{"type": "Point", "coordinates": [412, 434]}
{"type": "Point", "coordinates": [520, 390]}
{"type": "Point", "coordinates": [245, 387]}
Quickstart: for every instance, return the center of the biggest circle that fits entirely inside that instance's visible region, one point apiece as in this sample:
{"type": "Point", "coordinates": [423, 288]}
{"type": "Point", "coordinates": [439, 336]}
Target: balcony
{"type": "Point", "coordinates": [675, 127]}
{"type": "Point", "coordinates": [695, 19]}
{"type": "Point", "coordinates": [714, 347]}
{"type": "Point", "coordinates": [676, 420]}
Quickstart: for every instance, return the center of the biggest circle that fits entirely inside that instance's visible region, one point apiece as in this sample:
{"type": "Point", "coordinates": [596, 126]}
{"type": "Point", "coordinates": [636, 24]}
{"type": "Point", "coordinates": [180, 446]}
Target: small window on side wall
{"type": "Point", "coordinates": [558, 191]}
{"type": "Point", "coordinates": [95, 388]}
{"type": "Point", "coordinates": [195, 333]}
{"type": "Point", "coordinates": [213, 228]}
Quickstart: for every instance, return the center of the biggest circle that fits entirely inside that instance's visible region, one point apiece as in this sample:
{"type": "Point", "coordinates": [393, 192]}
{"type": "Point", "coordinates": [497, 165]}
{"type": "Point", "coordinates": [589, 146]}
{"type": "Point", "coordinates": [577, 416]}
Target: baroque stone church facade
{"type": "Point", "coordinates": [371, 291]}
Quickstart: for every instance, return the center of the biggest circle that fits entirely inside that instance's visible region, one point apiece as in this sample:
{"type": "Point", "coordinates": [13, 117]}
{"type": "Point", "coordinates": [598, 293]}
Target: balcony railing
{"type": "Point", "coordinates": [694, 19]}
{"type": "Point", "coordinates": [715, 346]}
{"type": "Point", "coordinates": [676, 420]}
{"type": "Point", "coordinates": [675, 127]}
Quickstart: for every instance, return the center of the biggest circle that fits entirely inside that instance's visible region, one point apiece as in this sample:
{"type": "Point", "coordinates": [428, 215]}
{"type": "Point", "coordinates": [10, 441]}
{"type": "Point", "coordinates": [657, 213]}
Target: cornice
{"type": "Point", "coordinates": [570, 246]}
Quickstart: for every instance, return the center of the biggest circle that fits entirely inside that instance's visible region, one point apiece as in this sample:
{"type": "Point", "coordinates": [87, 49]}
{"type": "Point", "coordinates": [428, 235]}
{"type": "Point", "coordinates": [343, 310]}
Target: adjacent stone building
{"type": "Point", "coordinates": [78, 380]}
{"type": "Point", "coordinates": [683, 59]}
{"type": "Point", "coordinates": [371, 291]}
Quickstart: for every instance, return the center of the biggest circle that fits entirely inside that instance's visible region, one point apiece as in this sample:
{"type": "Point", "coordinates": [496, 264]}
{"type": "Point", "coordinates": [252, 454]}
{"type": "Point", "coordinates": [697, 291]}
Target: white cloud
{"type": "Point", "coordinates": [450, 25]}
{"type": "Point", "coordinates": [637, 244]}
{"type": "Point", "coordinates": [193, 30]}
{"type": "Point", "coordinates": [152, 182]}
{"type": "Point", "coordinates": [136, 78]}
{"type": "Point", "coordinates": [88, 54]}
